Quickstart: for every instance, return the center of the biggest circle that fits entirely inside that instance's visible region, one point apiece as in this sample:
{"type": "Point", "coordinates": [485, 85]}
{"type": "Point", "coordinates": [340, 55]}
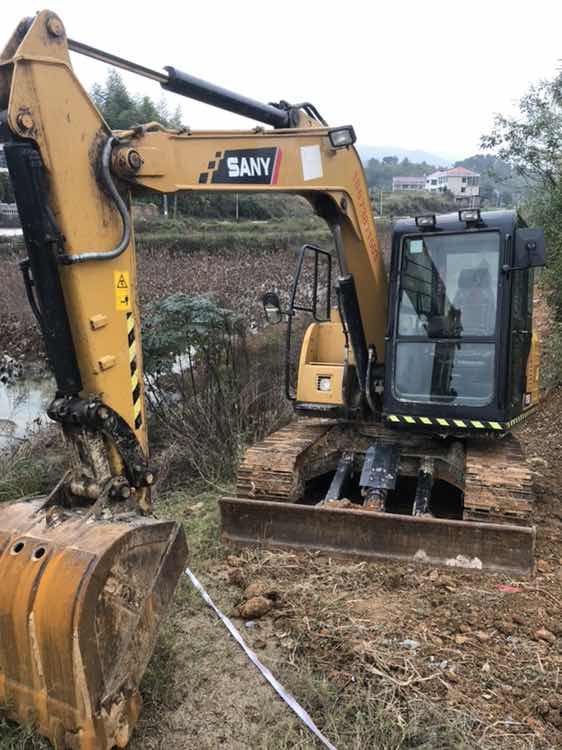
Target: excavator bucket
{"type": "Point", "coordinates": [81, 600]}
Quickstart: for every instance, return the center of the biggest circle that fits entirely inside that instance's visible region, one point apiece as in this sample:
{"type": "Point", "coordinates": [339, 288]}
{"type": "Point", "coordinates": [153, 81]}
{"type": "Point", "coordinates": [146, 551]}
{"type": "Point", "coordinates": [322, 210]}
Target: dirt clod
{"type": "Point", "coordinates": [234, 562]}
{"type": "Point", "coordinates": [543, 634]}
{"type": "Point", "coordinates": [260, 588]}
{"type": "Point", "coordinates": [236, 577]}
{"type": "Point", "coordinates": [482, 636]}
{"type": "Point", "coordinates": [255, 607]}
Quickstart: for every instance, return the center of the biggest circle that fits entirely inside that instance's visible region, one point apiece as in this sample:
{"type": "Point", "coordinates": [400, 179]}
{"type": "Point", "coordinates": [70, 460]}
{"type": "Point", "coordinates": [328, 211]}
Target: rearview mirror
{"type": "Point", "coordinates": [529, 248]}
{"type": "Point", "coordinates": [272, 307]}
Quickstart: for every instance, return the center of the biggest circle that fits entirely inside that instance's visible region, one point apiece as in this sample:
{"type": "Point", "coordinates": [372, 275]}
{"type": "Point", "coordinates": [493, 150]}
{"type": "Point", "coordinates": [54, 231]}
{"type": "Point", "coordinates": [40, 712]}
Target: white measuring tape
{"type": "Point", "coordinates": [293, 704]}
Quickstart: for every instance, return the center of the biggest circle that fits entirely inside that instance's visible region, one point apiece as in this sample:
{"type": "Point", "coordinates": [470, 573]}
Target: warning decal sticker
{"type": "Point", "coordinates": [122, 291]}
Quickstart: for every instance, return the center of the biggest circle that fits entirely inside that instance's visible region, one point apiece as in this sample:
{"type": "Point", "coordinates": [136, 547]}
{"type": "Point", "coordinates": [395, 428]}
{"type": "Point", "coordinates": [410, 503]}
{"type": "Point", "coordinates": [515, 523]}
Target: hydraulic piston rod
{"type": "Point", "coordinates": [194, 88]}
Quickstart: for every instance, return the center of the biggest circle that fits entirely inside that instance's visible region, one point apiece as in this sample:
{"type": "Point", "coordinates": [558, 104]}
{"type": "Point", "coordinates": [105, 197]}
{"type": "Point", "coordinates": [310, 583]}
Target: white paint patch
{"type": "Point", "coordinates": [311, 162]}
{"type": "Point", "coordinates": [460, 561]}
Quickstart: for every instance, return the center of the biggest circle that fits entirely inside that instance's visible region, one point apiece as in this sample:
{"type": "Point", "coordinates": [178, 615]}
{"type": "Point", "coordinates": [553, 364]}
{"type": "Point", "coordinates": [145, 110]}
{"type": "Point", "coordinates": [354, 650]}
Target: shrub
{"type": "Point", "coordinates": [206, 387]}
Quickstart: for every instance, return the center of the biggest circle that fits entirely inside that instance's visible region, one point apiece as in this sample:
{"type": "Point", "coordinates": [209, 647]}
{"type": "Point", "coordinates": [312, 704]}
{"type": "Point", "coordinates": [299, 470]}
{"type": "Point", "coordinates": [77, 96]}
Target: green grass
{"type": "Point", "coordinates": [34, 468]}
{"type": "Point", "coordinates": [197, 508]}
{"type": "Point", "coordinates": [192, 235]}
{"type": "Point", "coordinates": [14, 737]}
{"type": "Point", "coordinates": [19, 478]}
{"type": "Point", "coordinates": [222, 235]}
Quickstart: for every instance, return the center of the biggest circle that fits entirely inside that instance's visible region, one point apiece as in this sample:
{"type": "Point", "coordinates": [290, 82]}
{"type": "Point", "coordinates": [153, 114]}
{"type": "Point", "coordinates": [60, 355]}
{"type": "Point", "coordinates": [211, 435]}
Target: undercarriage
{"type": "Point", "coordinates": [369, 492]}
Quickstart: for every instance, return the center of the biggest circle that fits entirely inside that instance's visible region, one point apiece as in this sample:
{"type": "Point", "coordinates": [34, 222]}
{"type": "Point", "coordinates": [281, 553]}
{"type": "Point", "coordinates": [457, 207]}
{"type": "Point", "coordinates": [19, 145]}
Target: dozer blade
{"type": "Point", "coordinates": [80, 604]}
{"type": "Point", "coordinates": [346, 532]}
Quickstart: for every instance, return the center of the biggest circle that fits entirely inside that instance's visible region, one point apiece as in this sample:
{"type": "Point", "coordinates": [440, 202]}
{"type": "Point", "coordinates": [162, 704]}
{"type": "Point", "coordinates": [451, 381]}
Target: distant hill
{"type": "Point", "coordinates": [414, 155]}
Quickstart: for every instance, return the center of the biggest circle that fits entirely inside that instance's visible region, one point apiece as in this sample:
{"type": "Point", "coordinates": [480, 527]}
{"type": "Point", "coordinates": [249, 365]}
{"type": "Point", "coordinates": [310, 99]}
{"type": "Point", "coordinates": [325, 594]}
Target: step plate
{"type": "Point", "coordinates": [364, 535]}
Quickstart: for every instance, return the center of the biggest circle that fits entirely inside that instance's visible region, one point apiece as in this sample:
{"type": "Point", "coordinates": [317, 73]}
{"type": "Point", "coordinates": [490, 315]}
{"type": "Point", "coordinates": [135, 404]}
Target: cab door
{"type": "Point", "coordinates": [520, 331]}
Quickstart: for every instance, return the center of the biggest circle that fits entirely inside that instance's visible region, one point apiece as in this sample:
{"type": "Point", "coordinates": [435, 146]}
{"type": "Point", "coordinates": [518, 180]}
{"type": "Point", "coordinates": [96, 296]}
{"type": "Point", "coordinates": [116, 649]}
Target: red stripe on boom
{"type": "Point", "coordinates": [276, 166]}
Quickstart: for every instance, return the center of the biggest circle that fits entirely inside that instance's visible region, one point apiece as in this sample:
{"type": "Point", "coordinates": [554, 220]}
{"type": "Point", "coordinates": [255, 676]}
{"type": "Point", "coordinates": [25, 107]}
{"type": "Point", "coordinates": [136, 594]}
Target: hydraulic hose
{"type": "Point", "coordinates": [121, 207]}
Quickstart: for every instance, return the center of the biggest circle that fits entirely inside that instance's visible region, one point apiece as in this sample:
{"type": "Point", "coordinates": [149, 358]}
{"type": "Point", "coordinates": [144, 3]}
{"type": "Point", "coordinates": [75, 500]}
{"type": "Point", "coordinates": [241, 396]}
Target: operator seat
{"type": "Point", "coordinates": [476, 301]}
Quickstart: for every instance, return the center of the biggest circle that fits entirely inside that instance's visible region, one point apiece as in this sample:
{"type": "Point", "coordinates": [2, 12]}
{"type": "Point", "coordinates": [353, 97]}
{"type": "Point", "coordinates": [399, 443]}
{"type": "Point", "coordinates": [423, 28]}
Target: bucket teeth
{"type": "Point", "coordinates": [80, 605]}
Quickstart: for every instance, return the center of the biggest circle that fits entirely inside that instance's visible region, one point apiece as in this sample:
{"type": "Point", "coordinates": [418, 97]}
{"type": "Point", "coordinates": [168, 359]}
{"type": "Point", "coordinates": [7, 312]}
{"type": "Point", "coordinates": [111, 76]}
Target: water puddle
{"type": "Point", "coordinates": [23, 406]}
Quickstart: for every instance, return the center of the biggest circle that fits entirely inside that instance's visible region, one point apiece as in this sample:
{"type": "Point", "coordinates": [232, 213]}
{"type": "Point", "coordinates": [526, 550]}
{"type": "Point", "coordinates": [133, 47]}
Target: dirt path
{"type": "Point", "coordinates": [213, 697]}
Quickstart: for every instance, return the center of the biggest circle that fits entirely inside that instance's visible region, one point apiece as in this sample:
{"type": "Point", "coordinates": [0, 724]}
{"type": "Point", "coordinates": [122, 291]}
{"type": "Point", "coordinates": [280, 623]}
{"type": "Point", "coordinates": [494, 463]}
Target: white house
{"type": "Point", "coordinates": [461, 182]}
{"type": "Point", "coordinates": [408, 184]}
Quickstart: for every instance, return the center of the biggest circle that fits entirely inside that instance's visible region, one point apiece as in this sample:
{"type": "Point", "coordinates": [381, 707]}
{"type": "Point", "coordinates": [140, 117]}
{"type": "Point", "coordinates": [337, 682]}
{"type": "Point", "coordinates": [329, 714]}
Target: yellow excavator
{"type": "Point", "coordinates": [404, 400]}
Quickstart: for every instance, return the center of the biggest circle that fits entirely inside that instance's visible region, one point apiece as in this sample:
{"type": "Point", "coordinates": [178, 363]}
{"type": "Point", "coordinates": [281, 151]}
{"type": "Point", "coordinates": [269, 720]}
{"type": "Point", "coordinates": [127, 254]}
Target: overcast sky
{"type": "Point", "coordinates": [426, 75]}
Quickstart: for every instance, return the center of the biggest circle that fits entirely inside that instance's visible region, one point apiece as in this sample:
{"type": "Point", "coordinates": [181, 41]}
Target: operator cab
{"type": "Point", "coordinates": [459, 349]}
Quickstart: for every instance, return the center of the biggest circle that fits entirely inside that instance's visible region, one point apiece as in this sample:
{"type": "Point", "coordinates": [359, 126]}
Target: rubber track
{"type": "Point", "coordinates": [498, 482]}
{"type": "Point", "coordinates": [277, 467]}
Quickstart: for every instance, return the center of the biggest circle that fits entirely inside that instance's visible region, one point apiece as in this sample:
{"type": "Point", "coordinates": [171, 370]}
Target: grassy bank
{"type": "Point", "coordinates": [208, 235]}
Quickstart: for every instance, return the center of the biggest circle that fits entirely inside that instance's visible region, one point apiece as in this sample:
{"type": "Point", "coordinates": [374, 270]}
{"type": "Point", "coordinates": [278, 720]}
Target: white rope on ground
{"type": "Point", "coordinates": [293, 704]}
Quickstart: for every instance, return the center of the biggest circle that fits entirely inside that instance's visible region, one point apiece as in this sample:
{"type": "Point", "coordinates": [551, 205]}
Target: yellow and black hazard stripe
{"type": "Point", "coordinates": [450, 423]}
{"type": "Point", "coordinates": [133, 364]}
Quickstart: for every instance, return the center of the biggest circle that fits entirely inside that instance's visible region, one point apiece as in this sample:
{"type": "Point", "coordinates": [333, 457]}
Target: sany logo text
{"type": "Point", "coordinates": [253, 166]}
